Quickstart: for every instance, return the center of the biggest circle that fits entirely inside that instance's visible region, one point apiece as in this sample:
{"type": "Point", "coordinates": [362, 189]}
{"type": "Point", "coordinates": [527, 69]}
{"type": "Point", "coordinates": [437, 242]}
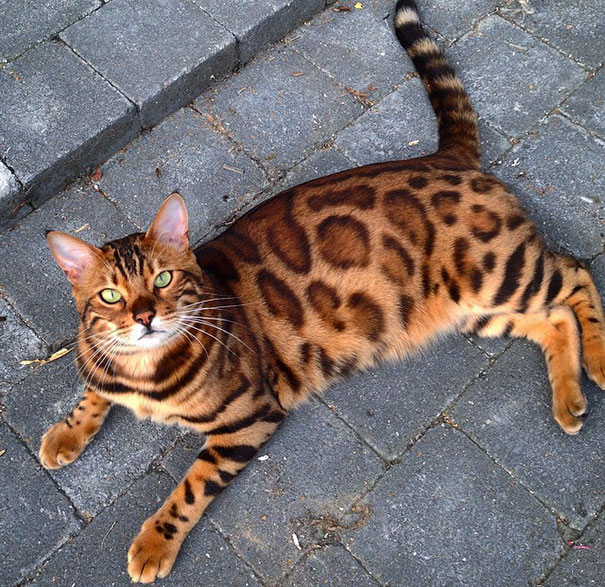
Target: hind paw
{"type": "Point", "coordinates": [594, 361]}
{"type": "Point", "coordinates": [569, 405]}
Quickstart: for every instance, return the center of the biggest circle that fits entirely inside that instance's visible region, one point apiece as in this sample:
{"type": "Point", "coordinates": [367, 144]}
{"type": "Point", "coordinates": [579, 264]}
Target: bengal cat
{"type": "Point", "coordinates": [323, 280]}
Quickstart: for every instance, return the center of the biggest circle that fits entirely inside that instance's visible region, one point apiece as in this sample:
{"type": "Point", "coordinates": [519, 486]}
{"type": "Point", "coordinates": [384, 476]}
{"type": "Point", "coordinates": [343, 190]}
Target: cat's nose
{"type": "Point", "coordinates": [144, 317]}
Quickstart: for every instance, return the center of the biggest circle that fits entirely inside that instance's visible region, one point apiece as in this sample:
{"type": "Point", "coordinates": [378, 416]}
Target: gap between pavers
{"type": "Point", "coordinates": [114, 53]}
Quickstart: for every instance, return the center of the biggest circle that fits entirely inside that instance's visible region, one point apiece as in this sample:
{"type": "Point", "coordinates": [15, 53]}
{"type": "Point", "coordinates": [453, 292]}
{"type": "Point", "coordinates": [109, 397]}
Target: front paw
{"type": "Point", "coordinates": [61, 445]}
{"type": "Point", "coordinates": [153, 551]}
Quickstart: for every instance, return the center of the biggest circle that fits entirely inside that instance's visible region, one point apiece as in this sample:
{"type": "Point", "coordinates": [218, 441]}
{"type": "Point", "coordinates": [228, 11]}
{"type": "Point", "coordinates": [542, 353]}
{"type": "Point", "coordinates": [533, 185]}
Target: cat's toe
{"type": "Point", "coordinates": [594, 364]}
{"type": "Point", "coordinates": [60, 446]}
{"type": "Point", "coordinates": [569, 423]}
{"type": "Point", "coordinates": [150, 557]}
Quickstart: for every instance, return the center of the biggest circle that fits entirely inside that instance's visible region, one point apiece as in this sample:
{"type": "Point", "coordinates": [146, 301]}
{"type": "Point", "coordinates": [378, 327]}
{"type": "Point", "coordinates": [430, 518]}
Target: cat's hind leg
{"type": "Point", "coordinates": [585, 301]}
{"type": "Point", "coordinates": [63, 442]}
{"type": "Point", "coordinates": [556, 332]}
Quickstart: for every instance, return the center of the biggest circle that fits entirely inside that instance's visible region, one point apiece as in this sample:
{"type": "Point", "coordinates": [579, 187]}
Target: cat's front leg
{"type": "Point", "coordinates": [155, 549]}
{"type": "Point", "coordinates": [63, 442]}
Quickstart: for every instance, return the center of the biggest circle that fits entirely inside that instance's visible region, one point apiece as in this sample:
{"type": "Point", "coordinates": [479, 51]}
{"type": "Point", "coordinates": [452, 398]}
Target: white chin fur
{"type": "Point", "coordinates": [140, 338]}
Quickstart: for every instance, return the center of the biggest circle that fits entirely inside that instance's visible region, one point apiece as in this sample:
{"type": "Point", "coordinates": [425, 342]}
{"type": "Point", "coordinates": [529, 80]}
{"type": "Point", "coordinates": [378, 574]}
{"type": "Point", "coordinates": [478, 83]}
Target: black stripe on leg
{"type": "Point", "coordinates": [206, 455]}
{"type": "Point", "coordinates": [189, 497]}
{"type": "Point", "coordinates": [240, 453]}
{"type": "Point", "coordinates": [246, 422]}
{"type": "Point", "coordinates": [212, 488]}
{"type": "Point", "coordinates": [225, 476]}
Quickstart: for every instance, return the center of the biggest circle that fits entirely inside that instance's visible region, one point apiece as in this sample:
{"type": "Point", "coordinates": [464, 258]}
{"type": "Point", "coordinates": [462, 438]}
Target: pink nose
{"type": "Point", "coordinates": [145, 317]}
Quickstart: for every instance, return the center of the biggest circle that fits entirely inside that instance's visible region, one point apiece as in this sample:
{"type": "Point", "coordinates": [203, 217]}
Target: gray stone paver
{"type": "Point", "coordinates": [358, 48]}
{"type": "Point", "coordinates": [556, 172]}
{"type": "Point", "coordinates": [36, 285]}
{"type": "Point", "coordinates": [121, 42]}
{"type": "Point", "coordinates": [453, 19]}
{"type": "Point", "coordinates": [583, 566]}
{"type": "Point", "coordinates": [27, 22]}
{"type": "Point", "coordinates": [587, 105]}
{"type": "Point", "coordinates": [59, 118]}
{"type": "Point", "coordinates": [508, 412]}
{"type": "Point", "coordinates": [315, 464]}
{"type": "Point", "coordinates": [319, 164]}
{"type": "Point", "coordinates": [575, 28]}
{"type": "Point", "coordinates": [400, 126]}
{"type": "Point", "coordinates": [332, 566]}
{"type": "Point", "coordinates": [98, 555]}
{"type": "Point", "coordinates": [528, 78]}
{"type": "Point", "coordinates": [265, 21]}
{"type": "Point", "coordinates": [35, 518]}
{"type": "Point", "coordinates": [447, 515]}
{"type": "Point", "coordinates": [18, 343]}
{"type": "Point", "coordinates": [121, 452]}
{"type": "Point", "coordinates": [389, 406]}
{"type": "Point", "coordinates": [9, 194]}
{"type": "Point", "coordinates": [256, 107]}
{"type": "Point", "coordinates": [186, 155]}
{"type": "Point", "coordinates": [321, 461]}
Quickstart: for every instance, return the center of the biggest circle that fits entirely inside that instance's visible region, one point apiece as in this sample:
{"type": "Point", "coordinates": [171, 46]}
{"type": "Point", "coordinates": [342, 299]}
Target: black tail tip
{"type": "Point", "coordinates": [406, 4]}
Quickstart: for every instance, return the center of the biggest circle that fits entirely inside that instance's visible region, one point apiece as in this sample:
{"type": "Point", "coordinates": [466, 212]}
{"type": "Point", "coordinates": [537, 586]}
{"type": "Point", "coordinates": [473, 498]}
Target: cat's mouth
{"type": "Point", "coordinates": [151, 332]}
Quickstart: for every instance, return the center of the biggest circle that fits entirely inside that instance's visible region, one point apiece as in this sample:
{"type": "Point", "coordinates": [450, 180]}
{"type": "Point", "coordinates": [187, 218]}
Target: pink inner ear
{"type": "Point", "coordinates": [171, 223]}
{"type": "Point", "coordinates": [71, 254]}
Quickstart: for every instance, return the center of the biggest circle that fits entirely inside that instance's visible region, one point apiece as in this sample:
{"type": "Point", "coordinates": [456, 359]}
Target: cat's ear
{"type": "Point", "coordinates": [171, 224]}
{"type": "Point", "coordinates": [71, 254]}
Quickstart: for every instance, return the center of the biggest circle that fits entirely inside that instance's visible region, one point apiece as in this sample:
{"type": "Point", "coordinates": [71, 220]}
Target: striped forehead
{"type": "Point", "coordinates": [129, 260]}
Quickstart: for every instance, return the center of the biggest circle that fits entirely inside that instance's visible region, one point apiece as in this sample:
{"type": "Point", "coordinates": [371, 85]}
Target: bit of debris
{"type": "Point", "coordinates": [359, 5]}
{"type": "Point", "coordinates": [264, 517]}
{"type": "Point", "coordinates": [234, 169]}
{"type": "Point", "coordinates": [341, 9]}
{"type": "Point", "coordinates": [158, 172]}
{"type": "Point", "coordinates": [263, 458]}
{"type": "Point", "coordinates": [297, 73]}
{"type": "Point", "coordinates": [96, 175]}
{"type": "Point", "coordinates": [60, 353]}
{"type": "Point", "coordinates": [108, 533]}
{"type": "Point", "coordinates": [413, 143]}
{"type": "Point", "coordinates": [519, 48]}
{"type": "Point", "coordinates": [579, 546]}
{"type": "Point", "coordinates": [2, 318]}
{"type": "Point", "coordinates": [81, 228]}
{"type": "Point", "coordinates": [296, 542]}
{"type": "Point", "coordinates": [2, 452]}
{"type": "Point", "coordinates": [526, 7]}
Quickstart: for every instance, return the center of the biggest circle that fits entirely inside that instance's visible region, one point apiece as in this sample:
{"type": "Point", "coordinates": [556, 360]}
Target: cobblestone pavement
{"type": "Point", "coordinates": [447, 469]}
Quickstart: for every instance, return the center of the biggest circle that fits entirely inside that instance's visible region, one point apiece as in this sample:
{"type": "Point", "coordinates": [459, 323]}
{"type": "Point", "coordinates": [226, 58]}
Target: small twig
{"type": "Point", "coordinates": [108, 533]}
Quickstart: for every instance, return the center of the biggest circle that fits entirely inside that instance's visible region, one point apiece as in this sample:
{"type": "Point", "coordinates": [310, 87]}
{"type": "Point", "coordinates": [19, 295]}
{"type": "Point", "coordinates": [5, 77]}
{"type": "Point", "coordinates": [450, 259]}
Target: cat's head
{"type": "Point", "coordinates": [133, 291]}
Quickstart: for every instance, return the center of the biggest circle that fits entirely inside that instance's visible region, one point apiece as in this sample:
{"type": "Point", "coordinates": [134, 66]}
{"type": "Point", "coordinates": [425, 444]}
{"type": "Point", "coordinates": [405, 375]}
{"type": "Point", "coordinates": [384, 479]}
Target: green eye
{"type": "Point", "coordinates": [111, 296]}
{"type": "Point", "coordinates": [163, 279]}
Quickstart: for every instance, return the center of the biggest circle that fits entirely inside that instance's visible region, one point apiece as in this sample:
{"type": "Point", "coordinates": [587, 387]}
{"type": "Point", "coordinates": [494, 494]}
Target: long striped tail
{"type": "Point", "coordinates": [458, 132]}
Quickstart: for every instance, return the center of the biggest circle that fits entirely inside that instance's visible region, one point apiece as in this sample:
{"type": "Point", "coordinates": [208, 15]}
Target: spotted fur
{"type": "Point", "coordinates": [325, 279]}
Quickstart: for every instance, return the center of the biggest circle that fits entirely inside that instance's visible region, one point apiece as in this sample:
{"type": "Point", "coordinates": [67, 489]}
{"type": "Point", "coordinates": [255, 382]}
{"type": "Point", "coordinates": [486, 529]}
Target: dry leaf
{"type": "Point", "coordinates": [413, 143]}
{"type": "Point", "coordinates": [297, 74]}
{"type": "Point", "coordinates": [359, 5]}
{"type": "Point", "coordinates": [342, 9]}
{"type": "Point", "coordinates": [96, 176]}
{"type": "Point", "coordinates": [57, 355]}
